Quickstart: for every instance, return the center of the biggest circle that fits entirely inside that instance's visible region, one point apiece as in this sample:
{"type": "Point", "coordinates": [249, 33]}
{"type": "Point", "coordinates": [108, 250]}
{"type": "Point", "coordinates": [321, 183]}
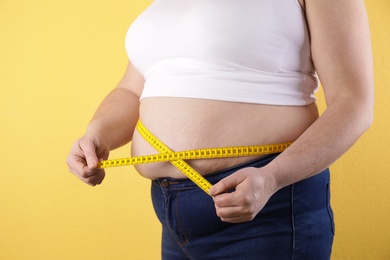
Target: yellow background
{"type": "Point", "coordinates": [57, 61]}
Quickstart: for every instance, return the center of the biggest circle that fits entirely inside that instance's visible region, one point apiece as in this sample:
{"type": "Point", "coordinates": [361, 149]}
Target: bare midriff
{"type": "Point", "coordinates": [185, 124]}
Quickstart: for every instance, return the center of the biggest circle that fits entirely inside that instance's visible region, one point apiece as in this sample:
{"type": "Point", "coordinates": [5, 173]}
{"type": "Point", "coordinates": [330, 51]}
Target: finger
{"type": "Point", "coordinates": [232, 214]}
{"type": "Point", "coordinates": [228, 212]}
{"type": "Point", "coordinates": [226, 184]}
{"type": "Point", "coordinates": [94, 179]}
{"type": "Point", "coordinates": [226, 200]}
{"type": "Point", "coordinates": [100, 179]}
{"type": "Point", "coordinates": [236, 219]}
{"type": "Point", "coordinates": [89, 149]}
{"type": "Point", "coordinates": [78, 166]}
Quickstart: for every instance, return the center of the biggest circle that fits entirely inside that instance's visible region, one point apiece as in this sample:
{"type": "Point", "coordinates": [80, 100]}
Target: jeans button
{"type": "Point", "coordinates": [164, 183]}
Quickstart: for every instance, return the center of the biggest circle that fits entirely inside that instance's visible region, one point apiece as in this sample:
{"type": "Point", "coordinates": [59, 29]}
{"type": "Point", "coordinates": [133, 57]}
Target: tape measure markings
{"type": "Point", "coordinates": [177, 158]}
{"type": "Point", "coordinates": [206, 153]}
{"type": "Point", "coordinates": [191, 173]}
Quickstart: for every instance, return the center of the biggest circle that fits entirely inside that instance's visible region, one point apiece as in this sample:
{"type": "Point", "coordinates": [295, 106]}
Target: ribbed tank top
{"type": "Point", "coordinates": [251, 51]}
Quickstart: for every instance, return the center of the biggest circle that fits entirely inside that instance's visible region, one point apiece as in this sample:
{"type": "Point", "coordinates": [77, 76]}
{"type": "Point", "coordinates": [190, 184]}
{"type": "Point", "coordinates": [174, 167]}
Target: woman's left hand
{"type": "Point", "coordinates": [252, 188]}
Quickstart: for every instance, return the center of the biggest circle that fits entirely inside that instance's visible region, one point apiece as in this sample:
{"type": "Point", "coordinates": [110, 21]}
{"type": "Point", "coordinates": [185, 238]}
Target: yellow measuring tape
{"type": "Point", "coordinates": [177, 158]}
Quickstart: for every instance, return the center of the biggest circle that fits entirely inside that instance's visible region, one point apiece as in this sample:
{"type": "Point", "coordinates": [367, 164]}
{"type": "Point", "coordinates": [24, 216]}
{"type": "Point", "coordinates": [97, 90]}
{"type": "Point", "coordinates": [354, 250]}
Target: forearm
{"type": "Point", "coordinates": [116, 117]}
{"type": "Point", "coordinates": [346, 76]}
{"type": "Point", "coordinates": [327, 139]}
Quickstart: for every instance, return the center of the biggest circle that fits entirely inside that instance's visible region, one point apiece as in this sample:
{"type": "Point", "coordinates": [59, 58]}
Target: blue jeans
{"type": "Point", "coordinates": [296, 223]}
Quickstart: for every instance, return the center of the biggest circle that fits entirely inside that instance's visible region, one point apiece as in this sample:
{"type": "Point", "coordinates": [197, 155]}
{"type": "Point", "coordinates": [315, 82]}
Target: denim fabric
{"type": "Point", "coordinates": [296, 223]}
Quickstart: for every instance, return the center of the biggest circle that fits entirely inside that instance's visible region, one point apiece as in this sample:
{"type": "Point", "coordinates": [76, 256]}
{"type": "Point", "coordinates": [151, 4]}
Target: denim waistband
{"type": "Point", "coordinates": [185, 183]}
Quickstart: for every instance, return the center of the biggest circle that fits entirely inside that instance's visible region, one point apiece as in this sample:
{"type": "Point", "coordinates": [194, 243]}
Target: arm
{"type": "Point", "coordinates": [117, 115]}
{"type": "Point", "coordinates": [341, 52]}
{"type": "Point", "coordinates": [111, 127]}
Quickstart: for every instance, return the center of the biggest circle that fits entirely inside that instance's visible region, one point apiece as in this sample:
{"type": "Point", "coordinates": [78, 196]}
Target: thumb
{"type": "Point", "coordinates": [226, 184]}
{"type": "Point", "coordinates": [89, 149]}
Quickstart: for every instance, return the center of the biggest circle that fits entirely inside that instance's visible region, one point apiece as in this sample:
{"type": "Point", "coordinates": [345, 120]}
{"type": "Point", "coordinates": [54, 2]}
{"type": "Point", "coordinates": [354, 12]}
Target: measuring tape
{"type": "Point", "coordinates": [177, 158]}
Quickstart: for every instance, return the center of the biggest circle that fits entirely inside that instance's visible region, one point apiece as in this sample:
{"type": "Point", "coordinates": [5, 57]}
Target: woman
{"type": "Point", "coordinates": [234, 73]}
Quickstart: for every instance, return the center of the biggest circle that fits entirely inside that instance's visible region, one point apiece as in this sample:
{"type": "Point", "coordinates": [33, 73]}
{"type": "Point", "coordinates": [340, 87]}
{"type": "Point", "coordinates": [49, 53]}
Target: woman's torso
{"type": "Point", "coordinates": [221, 73]}
{"type": "Point", "coordinates": [184, 124]}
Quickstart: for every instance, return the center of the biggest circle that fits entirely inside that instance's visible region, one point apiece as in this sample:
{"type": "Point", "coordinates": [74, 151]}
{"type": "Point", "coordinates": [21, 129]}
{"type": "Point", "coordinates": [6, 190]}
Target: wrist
{"type": "Point", "coordinates": [93, 130]}
{"type": "Point", "coordinates": [272, 180]}
{"type": "Point", "coordinates": [97, 134]}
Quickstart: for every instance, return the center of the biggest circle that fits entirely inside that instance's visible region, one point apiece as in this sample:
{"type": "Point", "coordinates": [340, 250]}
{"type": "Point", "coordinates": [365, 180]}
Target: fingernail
{"type": "Point", "coordinates": [92, 164]}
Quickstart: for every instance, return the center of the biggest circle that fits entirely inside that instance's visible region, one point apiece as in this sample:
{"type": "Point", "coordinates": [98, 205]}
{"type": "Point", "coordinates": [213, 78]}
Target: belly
{"type": "Point", "coordinates": [184, 124]}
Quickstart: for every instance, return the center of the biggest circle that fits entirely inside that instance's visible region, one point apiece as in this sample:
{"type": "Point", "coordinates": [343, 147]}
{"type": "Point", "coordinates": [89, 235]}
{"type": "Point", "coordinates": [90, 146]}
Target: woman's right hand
{"type": "Point", "coordinates": [84, 157]}
{"type": "Point", "coordinates": [111, 127]}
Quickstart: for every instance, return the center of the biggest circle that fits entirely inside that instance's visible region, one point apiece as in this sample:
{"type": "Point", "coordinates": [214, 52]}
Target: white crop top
{"type": "Point", "coordinates": [251, 51]}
